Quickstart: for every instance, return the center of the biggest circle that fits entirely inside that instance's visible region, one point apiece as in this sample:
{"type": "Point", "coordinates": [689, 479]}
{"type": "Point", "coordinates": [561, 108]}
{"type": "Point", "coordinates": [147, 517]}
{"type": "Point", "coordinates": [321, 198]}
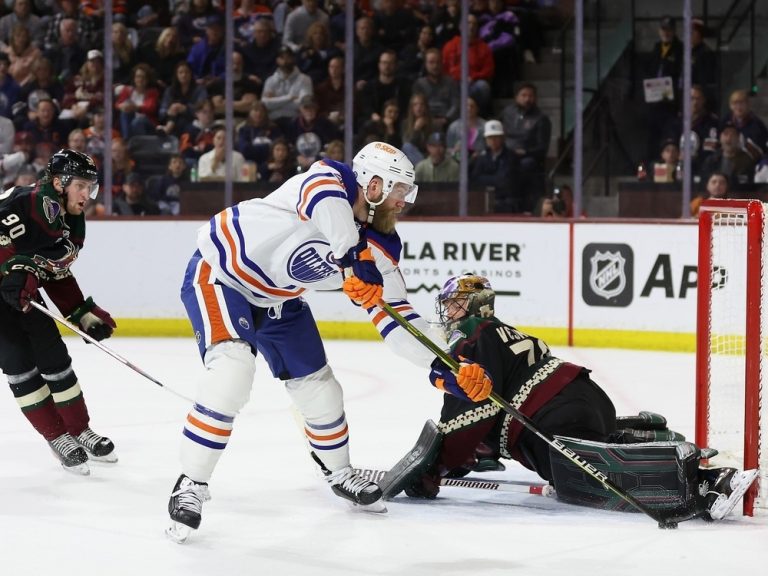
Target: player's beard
{"type": "Point", "coordinates": [384, 220]}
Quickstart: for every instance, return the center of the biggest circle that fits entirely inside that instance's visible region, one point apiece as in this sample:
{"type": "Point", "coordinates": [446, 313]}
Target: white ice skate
{"type": "Point", "coordinates": [737, 485]}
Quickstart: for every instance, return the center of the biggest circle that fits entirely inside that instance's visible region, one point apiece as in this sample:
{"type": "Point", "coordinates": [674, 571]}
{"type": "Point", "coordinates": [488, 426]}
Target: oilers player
{"type": "Point", "coordinates": [326, 228]}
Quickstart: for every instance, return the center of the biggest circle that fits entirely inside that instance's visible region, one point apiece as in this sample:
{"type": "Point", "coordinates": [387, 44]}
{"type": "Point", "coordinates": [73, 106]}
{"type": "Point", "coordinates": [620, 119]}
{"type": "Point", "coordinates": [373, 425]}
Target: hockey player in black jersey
{"type": "Point", "coordinates": [42, 229]}
{"type": "Point", "coordinates": [639, 453]}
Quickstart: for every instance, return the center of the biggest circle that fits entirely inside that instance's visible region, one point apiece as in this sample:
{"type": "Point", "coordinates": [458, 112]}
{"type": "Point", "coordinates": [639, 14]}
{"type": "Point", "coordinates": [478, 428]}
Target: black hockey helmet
{"type": "Point", "coordinates": [68, 164]}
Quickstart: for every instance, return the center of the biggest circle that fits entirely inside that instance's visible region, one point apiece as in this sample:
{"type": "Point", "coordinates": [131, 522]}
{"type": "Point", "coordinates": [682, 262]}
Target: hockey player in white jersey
{"type": "Point", "coordinates": [330, 227]}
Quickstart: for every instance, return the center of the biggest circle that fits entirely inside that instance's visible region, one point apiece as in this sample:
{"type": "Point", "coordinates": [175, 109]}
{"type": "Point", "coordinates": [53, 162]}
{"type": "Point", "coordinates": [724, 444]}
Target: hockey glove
{"type": "Point", "coordinates": [19, 287]}
{"type": "Point", "coordinates": [425, 486]}
{"type": "Point", "coordinates": [365, 286]}
{"type": "Point", "coordinates": [470, 383]}
{"type": "Point", "coordinates": [94, 321]}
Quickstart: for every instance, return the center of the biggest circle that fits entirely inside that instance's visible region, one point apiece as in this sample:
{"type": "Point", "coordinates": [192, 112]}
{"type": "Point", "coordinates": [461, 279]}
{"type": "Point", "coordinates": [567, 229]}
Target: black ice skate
{"type": "Point", "coordinates": [185, 507]}
{"type": "Point", "coordinates": [98, 448]}
{"type": "Point", "coordinates": [722, 489]}
{"type": "Point", "coordinates": [355, 489]}
{"type": "Point", "coordinates": [72, 457]}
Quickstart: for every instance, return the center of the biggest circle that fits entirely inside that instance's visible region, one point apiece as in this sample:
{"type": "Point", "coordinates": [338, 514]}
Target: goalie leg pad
{"type": "Point", "coordinates": [661, 475]}
{"type": "Point", "coordinates": [414, 463]}
{"type": "Point", "coordinates": [643, 421]}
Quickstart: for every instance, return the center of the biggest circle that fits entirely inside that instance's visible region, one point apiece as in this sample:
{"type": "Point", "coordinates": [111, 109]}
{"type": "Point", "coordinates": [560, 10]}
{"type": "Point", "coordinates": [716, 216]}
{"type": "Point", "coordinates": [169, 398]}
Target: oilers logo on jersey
{"type": "Point", "coordinates": [307, 264]}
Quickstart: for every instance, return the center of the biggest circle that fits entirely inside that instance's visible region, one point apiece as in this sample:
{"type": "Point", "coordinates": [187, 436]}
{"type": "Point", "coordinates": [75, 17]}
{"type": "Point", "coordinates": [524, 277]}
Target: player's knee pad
{"type": "Point", "coordinates": [661, 475]}
{"type": "Point", "coordinates": [318, 396]}
{"type": "Point", "coordinates": [226, 385]}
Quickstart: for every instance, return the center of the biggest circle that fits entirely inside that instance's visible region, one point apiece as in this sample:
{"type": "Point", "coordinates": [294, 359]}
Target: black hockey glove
{"type": "Point", "coordinates": [425, 486]}
{"type": "Point", "coordinates": [19, 287]}
{"type": "Point", "coordinates": [94, 321]}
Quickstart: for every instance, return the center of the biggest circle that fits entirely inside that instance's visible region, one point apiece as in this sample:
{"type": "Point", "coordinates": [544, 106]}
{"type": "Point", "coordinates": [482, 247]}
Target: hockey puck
{"type": "Point", "coordinates": [668, 525]}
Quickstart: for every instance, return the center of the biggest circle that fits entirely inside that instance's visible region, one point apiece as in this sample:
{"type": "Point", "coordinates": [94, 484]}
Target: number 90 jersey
{"type": "Point", "coordinates": [34, 225]}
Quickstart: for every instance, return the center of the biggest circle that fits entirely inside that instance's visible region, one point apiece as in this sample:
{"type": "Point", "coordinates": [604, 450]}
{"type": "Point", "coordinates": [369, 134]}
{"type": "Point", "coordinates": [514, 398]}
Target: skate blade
{"type": "Point", "coordinates": [110, 458]}
{"type": "Point", "coordinates": [377, 507]}
{"type": "Point", "coordinates": [178, 532]}
{"type": "Point", "coordinates": [78, 470]}
{"type": "Point", "coordinates": [723, 506]}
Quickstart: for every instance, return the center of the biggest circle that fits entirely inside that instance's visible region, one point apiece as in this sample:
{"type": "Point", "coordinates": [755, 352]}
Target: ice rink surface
{"type": "Point", "coordinates": [272, 515]}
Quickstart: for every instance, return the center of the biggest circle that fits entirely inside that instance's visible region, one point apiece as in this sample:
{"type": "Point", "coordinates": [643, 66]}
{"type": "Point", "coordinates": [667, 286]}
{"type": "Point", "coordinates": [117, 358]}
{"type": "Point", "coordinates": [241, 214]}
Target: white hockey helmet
{"type": "Point", "coordinates": [391, 165]}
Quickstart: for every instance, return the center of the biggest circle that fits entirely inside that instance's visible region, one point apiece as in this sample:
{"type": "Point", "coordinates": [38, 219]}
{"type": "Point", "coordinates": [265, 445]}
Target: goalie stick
{"type": "Point", "coordinates": [87, 337]}
{"type": "Point", "coordinates": [539, 489]}
{"type": "Point", "coordinates": [664, 522]}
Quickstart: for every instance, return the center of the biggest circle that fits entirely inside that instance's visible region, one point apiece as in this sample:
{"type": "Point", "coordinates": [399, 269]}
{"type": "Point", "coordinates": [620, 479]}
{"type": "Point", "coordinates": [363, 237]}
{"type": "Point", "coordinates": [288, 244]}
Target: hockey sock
{"type": "Point", "coordinates": [69, 399]}
{"type": "Point", "coordinates": [34, 399]}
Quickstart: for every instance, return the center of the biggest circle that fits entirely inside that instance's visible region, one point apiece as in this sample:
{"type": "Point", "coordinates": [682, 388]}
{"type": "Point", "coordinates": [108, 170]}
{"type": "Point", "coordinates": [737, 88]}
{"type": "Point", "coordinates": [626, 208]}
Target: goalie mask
{"type": "Point", "coordinates": [68, 164]}
{"type": "Point", "coordinates": [464, 296]}
{"type": "Point", "coordinates": [392, 166]}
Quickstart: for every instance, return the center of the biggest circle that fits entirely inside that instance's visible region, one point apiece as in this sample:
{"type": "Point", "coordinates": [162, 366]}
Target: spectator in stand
{"type": "Point", "coordinates": [704, 128]}
{"type": "Point", "coordinates": [414, 56]}
{"type": "Point", "coordinates": [280, 11]}
{"type": "Point", "coordinates": [298, 22]}
{"type": "Point", "coordinates": [440, 91]}
{"type": "Point", "coordinates": [384, 129]}
{"type": "Point", "coordinates": [206, 57]}
{"type": "Point", "coordinates": [10, 91]}
{"type": "Point", "coordinates": [84, 27]}
{"type": "Point", "coordinates": [386, 86]}
{"type": "Point", "coordinates": [498, 28]}
{"type": "Point", "coordinates": [245, 91]}
{"type": "Point", "coordinates": [446, 22]}
{"type": "Point", "coordinates": [197, 139]}
{"type": "Point", "coordinates": [281, 164]}
{"type": "Point", "coordinates": [330, 93]}
{"type": "Point", "coordinates": [96, 138]}
{"type": "Point", "coordinates": [137, 104]}
{"type": "Point", "coordinates": [437, 166]}
{"type": "Point", "coordinates": [7, 134]}
{"type": "Point", "coordinates": [246, 15]}
{"type": "Point", "coordinates": [255, 136]}
{"type": "Point", "coordinates": [261, 54]}
{"type": "Point", "coordinates": [334, 150]}
{"type": "Point", "coordinates": [122, 165]}
{"type": "Point", "coordinates": [22, 54]}
{"type": "Point", "coordinates": [475, 137]}
{"type": "Point", "coordinates": [76, 141]}
{"type": "Point", "coordinates": [528, 131]}
{"type": "Point", "coordinates": [180, 99]}
{"type": "Point", "coordinates": [395, 26]}
{"type": "Point", "coordinates": [133, 201]}
{"type": "Point", "coordinates": [730, 159]}
{"type": "Point", "coordinates": [22, 15]}
{"type": "Point", "coordinates": [12, 162]}
{"type": "Point", "coordinates": [309, 121]}
{"type": "Point", "coordinates": [67, 56]}
{"type": "Point", "coordinates": [315, 53]}
{"type": "Point", "coordinates": [164, 191]}
{"type": "Point", "coordinates": [212, 165]}
{"type": "Point", "coordinates": [26, 176]}
{"type": "Point", "coordinates": [665, 60]}
{"type": "Point", "coordinates": [124, 56]}
{"type": "Point", "coordinates": [94, 9]}
{"type": "Point", "coordinates": [717, 188]}
{"type": "Point", "coordinates": [87, 89]}
{"type": "Point", "coordinates": [493, 170]}
{"type": "Point", "coordinates": [164, 55]}
{"type": "Point", "coordinates": [191, 24]}
{"type": "Point", "coordinates": [43, 79]}
{"type": "Point", "coordinates": [48, 127]}
{"type": "Point", "coordinates": [284, 89]}
{"type": "Point", "coordinates": [367, 52]}
{"type": "Point", "coordinates": [481, 66]}
{"type": "Point", "coordinates": [753, 132]}
{"type": "Point", "coordinates": [550, 207]}
{"type": "Point", "coordinates": [664, 170]}
{"type": "Point", "coordinates": [416, 129]}
{"type": "Point", "coordinates": [703, 61]}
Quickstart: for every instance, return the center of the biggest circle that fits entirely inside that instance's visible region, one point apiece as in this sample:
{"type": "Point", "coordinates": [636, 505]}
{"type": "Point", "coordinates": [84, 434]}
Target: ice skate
{"type": "Point", "coordinates": [722, 489]}
{"type": "Point", "coordinates": [185, 507]}
{"type": "Point", "coordinates": [72, 457]}
{"type": "Point", "coordinates": [98, 448]}
{"type": "Point", "coordinates": [358, 491]}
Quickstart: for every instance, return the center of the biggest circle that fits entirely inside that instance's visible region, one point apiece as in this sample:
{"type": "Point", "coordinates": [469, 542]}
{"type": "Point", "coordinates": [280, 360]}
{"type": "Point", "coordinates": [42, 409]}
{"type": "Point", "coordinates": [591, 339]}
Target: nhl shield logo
{"type": "Point", "coordinates": [607, 271]}
{"type": "Point", "coordinates": [607, 277]}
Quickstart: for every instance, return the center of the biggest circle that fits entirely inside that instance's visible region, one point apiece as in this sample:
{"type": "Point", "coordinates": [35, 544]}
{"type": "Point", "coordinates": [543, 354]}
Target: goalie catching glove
{"type": "Point", "coordinates": [365, 285]}
{"type": "Point", "coordinates": [19, 286]}
{"type": "Point", "coordinates": [94, 321]}
{"type": "Point", "coordinates": [470, 383]}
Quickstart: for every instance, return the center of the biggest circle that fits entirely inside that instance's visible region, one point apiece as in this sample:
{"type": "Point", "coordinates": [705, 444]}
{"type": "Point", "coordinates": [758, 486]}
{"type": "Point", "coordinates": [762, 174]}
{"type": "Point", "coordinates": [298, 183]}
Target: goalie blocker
{"type": "Point", "coordinates": [662, 475]}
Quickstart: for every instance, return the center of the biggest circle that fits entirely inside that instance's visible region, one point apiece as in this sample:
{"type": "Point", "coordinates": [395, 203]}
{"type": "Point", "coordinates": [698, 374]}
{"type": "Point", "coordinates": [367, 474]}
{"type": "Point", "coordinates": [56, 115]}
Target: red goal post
{"type": "Point", "coordinates": [731, 332]}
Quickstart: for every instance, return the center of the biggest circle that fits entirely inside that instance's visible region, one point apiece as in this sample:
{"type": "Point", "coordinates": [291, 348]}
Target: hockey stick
{"type": "Point", "coordinates": [538, 489]}
{"type": "Point", "coordinates": [525, 421]}
{"type": "Point", "coordinates": [64, 322]}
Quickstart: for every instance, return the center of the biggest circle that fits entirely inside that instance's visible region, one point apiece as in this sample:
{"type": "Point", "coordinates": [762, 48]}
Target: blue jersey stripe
{"type": "Point", "coordinates": [203, 441]}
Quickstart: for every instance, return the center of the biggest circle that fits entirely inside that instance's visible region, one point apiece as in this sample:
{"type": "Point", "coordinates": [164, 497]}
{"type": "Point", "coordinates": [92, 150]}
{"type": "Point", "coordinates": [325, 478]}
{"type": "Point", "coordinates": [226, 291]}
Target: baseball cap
{"type": "Point", "coordinates": [134, 178]}
{"type": "Point", "coordinates": [307, 101]}
{"type": "Point", "coordinates": [284, 49]}
{"type": "Point", "coordinates": [667, 22]}
{"type": "Point", "coordinates": [214, 20]}
{"type": "Point", "coordinates": [436, 139]}
{"type": "Point", "coordinates": [93, 54]}
{"type": "Point", "coordinates": [493, 128]}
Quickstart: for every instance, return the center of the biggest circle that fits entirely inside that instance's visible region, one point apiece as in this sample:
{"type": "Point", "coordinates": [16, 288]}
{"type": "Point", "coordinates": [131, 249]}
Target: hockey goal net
{"type": "Point", "coordinates": [732, 339]}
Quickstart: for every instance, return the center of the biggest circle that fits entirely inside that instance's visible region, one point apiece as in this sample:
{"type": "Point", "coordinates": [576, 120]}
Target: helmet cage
{"type": "Point", "coordinates": [476, 297]}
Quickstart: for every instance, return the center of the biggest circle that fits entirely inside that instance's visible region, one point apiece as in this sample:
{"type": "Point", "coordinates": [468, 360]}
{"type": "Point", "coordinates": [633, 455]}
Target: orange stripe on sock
{"type": "Point", "coordinates": [207, 427]}
{"type": "Point", "coordinates": [328, 437]}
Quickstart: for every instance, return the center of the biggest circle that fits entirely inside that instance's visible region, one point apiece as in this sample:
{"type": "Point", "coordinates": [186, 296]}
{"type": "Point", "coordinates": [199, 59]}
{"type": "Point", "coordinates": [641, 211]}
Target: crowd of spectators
{"type": "Point", "coordinates": [168, 65]}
